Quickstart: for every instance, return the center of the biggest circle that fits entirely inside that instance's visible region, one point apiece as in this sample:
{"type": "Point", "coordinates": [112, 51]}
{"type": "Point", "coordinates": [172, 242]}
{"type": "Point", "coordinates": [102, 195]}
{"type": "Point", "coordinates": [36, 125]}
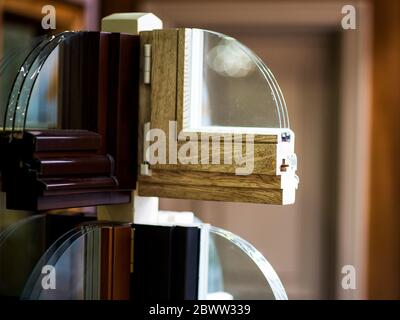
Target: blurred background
{"type": "Point", "coordinates": [341, 88]}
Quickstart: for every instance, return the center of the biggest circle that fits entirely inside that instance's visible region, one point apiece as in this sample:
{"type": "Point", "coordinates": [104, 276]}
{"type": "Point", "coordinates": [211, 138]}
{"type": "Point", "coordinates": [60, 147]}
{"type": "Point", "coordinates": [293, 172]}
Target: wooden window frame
{"type": "Point", "coordinates": [271, 181]}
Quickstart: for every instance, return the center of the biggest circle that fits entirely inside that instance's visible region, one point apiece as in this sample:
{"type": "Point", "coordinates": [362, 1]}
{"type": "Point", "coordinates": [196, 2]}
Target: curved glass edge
{"type": "Point", "coordinates": [70, 244]}
{"type": "Point", "coordinates": [274, 86]}
{"type": "Point", "coordinates": [33, 288]}
{"type": "Point", "coordinates": [18, 82]}
{"type": "Point", "coordinates": [13, 56]}
{"type": "Point", "coordinates": [262, 263]}
{"type": "Point", "coordinates": [262, 67]}
{"type": "Point", "coordinates": [18, 102]}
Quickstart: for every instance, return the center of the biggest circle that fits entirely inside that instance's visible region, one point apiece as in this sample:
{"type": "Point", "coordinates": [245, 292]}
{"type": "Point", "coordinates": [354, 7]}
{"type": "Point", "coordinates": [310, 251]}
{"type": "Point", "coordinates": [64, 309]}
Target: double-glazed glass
{"type": "Point", "coordinates": [75, 259]}
{"type": "Point", "coordinates": [18, 44]}
{"type": "Point", "coordinates": [57, 85]}
{"type": "Point", "coordinates": [30, 248]}
{"type": "Point", "coordinates": [35, 87]}
{"type": "Point", "coordinates": [227, 85]}
{"type": "Point", "coordinates": [236, 270]}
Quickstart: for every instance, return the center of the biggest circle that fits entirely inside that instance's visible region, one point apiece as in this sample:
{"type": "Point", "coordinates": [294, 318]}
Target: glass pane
{"type": "Point", "coordinates": [25, 239]}
{"type": "Point", "coordinates": [227, 85]}
{"type": "Point", "coordinates": [76, 260]}
{"type": "Point", "coordinates": [41, 64]}
{"type": "Point", "coordinates": [239, 271]}
{"type": "Point", "coordinates": [54, 87]}
{"type": "Point", "coordinates": [43, 109]}
{"type": "Point", "coordinates": [18, 44]}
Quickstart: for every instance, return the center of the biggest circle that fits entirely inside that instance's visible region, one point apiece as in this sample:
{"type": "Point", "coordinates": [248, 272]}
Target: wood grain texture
{"type": "Point", "coordinates": [264, 161]}
{"type": "Point", "coordinates": [163, 78]}
{"type": "Point", "coordinates": [197, 178]}
{"type": "Point", "coordinates": [212, 193]}
{"type": "Point", "coordinates": [258, 138]}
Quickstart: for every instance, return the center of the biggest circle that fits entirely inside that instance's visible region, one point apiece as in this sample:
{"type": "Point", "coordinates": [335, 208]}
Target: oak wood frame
{"type": "Point", "coordinates": [163, 101]}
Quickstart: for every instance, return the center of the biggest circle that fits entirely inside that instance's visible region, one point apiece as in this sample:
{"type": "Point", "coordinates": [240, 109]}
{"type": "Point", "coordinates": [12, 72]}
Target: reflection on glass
{"type": "Point", "coordinates": [54, 87]}
{"type": "Point", "coordinates": [43, 112]}
{"type": "Point", "coordinates": [227, 85]}
{"type": "Point", "coordinates": [76, 259]}
{"type": "Point", "coordinates": [19, 41]}
{"type": "Point", "coordinates": [33, 68]}
{"type": "Point", "coordinates": [29, 242]}
{"type": "Point", "coordinates": [239, 271]}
